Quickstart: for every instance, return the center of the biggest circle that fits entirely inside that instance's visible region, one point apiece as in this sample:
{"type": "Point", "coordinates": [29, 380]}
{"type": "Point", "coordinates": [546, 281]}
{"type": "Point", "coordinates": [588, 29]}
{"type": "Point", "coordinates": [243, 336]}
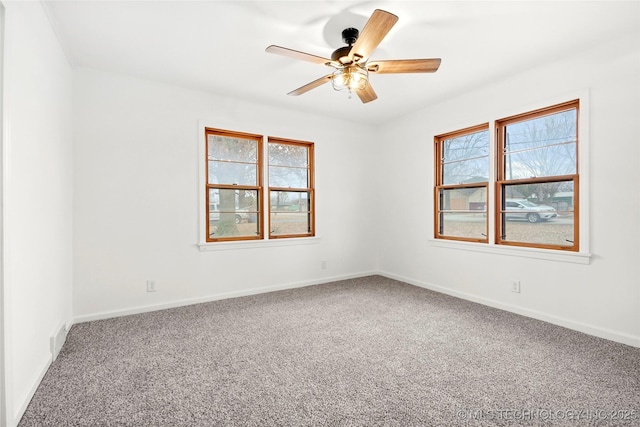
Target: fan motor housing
{"type": "Point", "coordinates": [340, 53]}
{"type": "Point", "coordinates": [350, 35]}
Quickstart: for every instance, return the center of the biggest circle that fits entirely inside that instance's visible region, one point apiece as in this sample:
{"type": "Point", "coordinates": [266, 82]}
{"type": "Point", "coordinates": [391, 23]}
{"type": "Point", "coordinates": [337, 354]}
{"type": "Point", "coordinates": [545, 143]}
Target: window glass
{"type": "Point", "coordinates": [233, 187]}
{"type": "Point", "coordinates": [233, 213]}
{"type": "Point", "coordinates": [538, 178]}
{"type": "Point", "coordinates": [281, 176]}
{"type": "Point", "coordinates": [288, 155]}
{"type": "Point", "coordinates": [462, 173]}
{"type": "Point", "coordinates": [291, 194]}
{"type": "Point", "coordinates": [289, 223]}
{"type": "Point", "coordinates": [463, 212]}
{"type": "Point", "coordinates": [541, 147]}
{"type": "Point", "coordinates": [229, 148]}
{"type": "Point", "coordinates": [290, 201]}
{"type": "Point", "coordinates": [232, 173]}
{"type": "Point", "coordinates": [541, 214]}
{"type": "Point", "coordinates": [465, 158]}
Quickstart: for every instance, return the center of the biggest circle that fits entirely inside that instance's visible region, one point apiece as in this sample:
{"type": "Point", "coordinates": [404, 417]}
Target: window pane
{"type": "Point", "coordinates": [232, 149]}
{"type": "Point", "coordinates": [558, 232]}
{"type": "Point", "coordinates": [290, 167]}
{"type": "Point", "coordinates": [285, 223]}
{"type": "Point", "coordinates": [542, 131]}
{"type": "Point", "coordinates": [233, 159]}
{"type": "Point", "coordinates": [558, 195]}
{"type": "Point", "coordinates": [548, 161]}
{"type": "Point", "coordinates": [463, 212]}
{"type": "Point", "coordinates": [544, 146]}
{"type": "Point", "coordinates": [465, 159]}
{"type": "Point", "coordinates": [463, 225]}
{"type": "Point", "coordinates": [289, 201]}
{"type": "Point", "coordinates": [288, 155]}
{"type": "Point", "coordinates": [466, 171]}
{"type": "Point", "coordinates": [539, 213]}
{"type": "Point", "coordinates": [232, 173]}
{"type": "Point", "coordinates": [288, 177]}
{"type": "Point", "coordinates": [227, 227]}
{"type": "Point", "coordinates": [233, 213]}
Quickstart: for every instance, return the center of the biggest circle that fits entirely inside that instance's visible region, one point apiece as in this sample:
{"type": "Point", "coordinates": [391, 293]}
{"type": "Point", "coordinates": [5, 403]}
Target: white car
{"type": "Point", "coordinates": [242, 215]}
{"type": "Point", "coordinates": [524, 209]}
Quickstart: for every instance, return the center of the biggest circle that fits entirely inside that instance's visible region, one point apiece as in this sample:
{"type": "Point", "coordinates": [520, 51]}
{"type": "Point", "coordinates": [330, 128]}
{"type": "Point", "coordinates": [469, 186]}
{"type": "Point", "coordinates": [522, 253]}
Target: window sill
{"type": "Point", "coordinates": [544, 254]}
{"type": "Point", "coordinates": [253, 244]}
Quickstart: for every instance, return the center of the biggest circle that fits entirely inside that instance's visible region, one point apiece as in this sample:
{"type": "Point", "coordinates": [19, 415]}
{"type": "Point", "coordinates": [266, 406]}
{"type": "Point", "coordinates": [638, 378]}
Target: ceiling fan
{"type": "Point", "coordinates": [351, 63]}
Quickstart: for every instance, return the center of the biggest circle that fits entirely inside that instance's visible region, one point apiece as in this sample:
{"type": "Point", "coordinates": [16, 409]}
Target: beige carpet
{"type": "Point", "coordinates": [363, 352]}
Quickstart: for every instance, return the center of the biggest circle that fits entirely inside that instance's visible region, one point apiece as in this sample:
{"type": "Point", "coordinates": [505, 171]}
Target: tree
{"type": "Point", "coordinates": [465, 159]}
{"type": "Point", "coordinates": [232, 161]}
{"type": "Point", "coordinates": [541, 147]}
{"type": "Point", "coordinates": [288, 168]}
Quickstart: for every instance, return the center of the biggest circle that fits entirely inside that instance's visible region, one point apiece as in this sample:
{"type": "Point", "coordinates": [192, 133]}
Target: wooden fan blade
{"type": "Point", "coordinates": [404, 66]}
{"type": "Point", "coordinates": [367, 94]}
{"type": "Point", "coordinates": [372, 34]}
{"type": "Point", "coordinates": [296, 54]}
{"type": "Point", "coordinates": [314, 84]}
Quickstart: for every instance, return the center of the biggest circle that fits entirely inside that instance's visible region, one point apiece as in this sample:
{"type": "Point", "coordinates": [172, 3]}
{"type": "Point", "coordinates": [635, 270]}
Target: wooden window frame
{"type": "Point", "coordinates": [439, 186]}
{"type": "Point", "coordinates": [258, 187]}
{"type": "Point", "coordinates": [497, 183]}
{"type": "Point", "coordinates": [501, 181]}
{"type": "Point", "coordinates": [310, 189]}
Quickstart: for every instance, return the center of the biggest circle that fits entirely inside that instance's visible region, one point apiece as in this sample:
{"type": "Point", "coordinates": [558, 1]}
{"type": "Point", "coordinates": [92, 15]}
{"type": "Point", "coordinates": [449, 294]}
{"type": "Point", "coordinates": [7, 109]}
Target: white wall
{"type": "Point", "coordinates": [38, 173]}
{"type": "Point", "coordinates": [603, 297]}
{"type": "Point", "coordinates": [137, 204]}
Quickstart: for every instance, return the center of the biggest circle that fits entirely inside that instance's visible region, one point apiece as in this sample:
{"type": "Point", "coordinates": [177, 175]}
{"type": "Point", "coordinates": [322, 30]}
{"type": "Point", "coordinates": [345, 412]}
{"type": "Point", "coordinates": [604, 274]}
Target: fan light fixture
{"type": "Point", "coordinates": [351, 77]}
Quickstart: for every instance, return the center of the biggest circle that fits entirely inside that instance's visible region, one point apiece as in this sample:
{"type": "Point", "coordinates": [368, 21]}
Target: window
{"type": "Point", "coordinates": [236, 165]}
{"type": "Point", "coordinates": [537, 178]}
{"type": "Point", "coordinates": [234, 186]}
{"type": "Point", "coordinates": [291, 193]}
{"type": "Point", "coordinates": [462, 176]}
{"type": "Point", "coordinates": [533, 199]}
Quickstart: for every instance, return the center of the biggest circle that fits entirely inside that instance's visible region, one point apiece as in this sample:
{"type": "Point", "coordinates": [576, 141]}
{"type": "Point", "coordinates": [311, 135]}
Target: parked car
{"type": "Point", "coordinates": [524, 209]}
{"type": "Point", "coordinates": [242, 215]}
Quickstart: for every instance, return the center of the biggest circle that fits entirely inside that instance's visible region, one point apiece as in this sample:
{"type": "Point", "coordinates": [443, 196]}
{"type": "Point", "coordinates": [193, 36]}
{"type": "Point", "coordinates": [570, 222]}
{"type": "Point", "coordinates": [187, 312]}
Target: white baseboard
{"type": "Point", "coordinates": [214, 297]}
{"type": "Point", "coordinates": [546, 317]}
{"type": "Point", "coordinates": [17, 416]}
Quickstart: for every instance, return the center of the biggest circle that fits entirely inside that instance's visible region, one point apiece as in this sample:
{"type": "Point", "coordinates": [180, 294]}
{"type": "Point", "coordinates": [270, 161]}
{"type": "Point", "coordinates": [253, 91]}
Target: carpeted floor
{"type": "Point", "coordinates": [363, 352]}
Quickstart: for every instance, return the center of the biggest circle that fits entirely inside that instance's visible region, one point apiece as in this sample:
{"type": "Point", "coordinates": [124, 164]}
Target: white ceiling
{"type": "Point", "coordinates": [219, 46]}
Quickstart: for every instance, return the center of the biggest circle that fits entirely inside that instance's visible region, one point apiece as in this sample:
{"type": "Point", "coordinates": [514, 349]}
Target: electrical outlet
{"type": "Point", "coordinates": [323, 264]}
{"type": "Point", "coordinates": [151, 285]}
{"type": "Point", "coordinates": [515, 286]}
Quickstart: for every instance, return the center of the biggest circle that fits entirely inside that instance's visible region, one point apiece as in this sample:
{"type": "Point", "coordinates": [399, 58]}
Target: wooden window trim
{"type": "Point", "coordinates": [438, 155]}
{"type": "Point", "coordinates": [502, 182]}
{"type": "Point", "coordinates": [310, 189]}
{"type": "Point", "coordinates": [259, 139]}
